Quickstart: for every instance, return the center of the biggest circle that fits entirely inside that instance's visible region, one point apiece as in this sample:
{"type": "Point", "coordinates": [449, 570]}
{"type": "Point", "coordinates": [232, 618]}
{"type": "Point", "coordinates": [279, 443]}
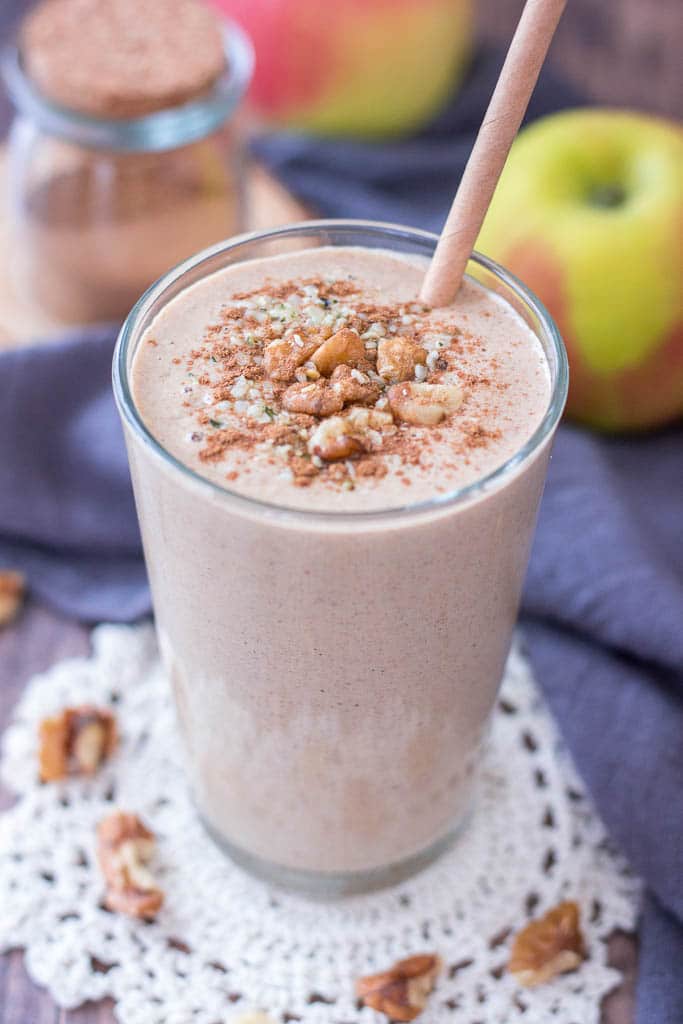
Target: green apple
{"type": "Point", "coordinates": [589, 214]}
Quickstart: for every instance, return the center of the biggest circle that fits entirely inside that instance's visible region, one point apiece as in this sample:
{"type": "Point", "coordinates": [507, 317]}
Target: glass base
{"type": "Point", "coordinates": [323, 885]}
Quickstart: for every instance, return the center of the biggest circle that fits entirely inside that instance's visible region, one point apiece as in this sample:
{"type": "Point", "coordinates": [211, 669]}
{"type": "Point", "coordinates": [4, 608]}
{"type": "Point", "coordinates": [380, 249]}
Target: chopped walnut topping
{"type": "Point", "coordinates": [318, 398]}
{"type": "Point", "coordinates": [424, 404]}
{"type": "Point", "coordinates": [398, 357]}
{"type": "Point", "coordinates": [341, 437]}
{"type": "Point", "coordinates": [334, 439]}
{"type": "Point", "coordinates": [369, 419]}
{"type": "Point", "coordinates": [125, 847]}
{"type": "Point", "coordinates": [283, 357]}
{"type": "Point", "coordinates": [353, 386]}
{"type": "Point", "coordinates": [345, 346]}
{"type": "Point", "coordinates": [76, 742]}
{"type": "Point", "coordinates": [12, 587]}
{"type": "Point", "coordinates": [551, 945]}
{"type": "Point", "coordinates": [402, 991]}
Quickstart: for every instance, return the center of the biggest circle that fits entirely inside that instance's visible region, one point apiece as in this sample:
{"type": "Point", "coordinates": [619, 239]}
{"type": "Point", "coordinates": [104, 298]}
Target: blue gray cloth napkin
{"type": "Point", "coordinates": [603, 604]}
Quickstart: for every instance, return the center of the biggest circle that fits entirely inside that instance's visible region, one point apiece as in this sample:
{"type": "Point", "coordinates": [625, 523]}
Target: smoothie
{"type": "Point", "coordinates": [229, 380]}
{"type": "Point", "coordinates": [335, 626]}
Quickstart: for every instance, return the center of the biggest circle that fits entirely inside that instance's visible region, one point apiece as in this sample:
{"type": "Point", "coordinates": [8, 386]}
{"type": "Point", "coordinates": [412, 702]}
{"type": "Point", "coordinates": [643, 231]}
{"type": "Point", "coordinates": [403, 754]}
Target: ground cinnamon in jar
{"type": "Point", "coordinates": [125, 163]}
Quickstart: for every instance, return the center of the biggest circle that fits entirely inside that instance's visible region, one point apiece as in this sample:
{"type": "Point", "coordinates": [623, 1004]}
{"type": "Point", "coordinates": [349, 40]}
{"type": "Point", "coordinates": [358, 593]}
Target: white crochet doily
{"type": "Point", "coordinates": [225, 943]}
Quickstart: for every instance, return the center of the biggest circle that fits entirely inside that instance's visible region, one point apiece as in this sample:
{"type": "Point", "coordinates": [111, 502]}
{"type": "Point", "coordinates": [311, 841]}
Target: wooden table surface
{"type": "Point", "coordinates": [623, 52]}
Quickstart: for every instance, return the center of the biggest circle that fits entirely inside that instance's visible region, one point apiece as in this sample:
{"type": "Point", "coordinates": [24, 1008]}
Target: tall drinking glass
{"type": "Point", "coordinates": [334, 673]}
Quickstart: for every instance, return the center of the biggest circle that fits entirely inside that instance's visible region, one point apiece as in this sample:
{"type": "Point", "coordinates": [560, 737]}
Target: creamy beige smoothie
{"type": "Point", "coordinates": [334, 625]}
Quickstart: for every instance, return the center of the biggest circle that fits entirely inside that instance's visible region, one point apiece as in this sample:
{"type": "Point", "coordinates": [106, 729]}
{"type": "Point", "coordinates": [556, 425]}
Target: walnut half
{"type": "Point", "coordinates": [76, 742]}
{"type": "Point", "coordinates": [551, 945]}
{"type": "Point", "coordinates": [402, 991]}
{"type": "Point", "coordinates": [124, 848]}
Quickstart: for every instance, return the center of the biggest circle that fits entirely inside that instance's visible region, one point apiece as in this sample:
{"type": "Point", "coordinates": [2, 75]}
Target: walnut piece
{"type": "Point", "coordinates": [12, 588]}
{"type": "Point", "coordinates": [124, 848]}
{"type": "Point", "coordinates": [402, 991]}
{"type": "Point", "coordinates": [283, 357]}
{"type": "Point", "coordinates": [334, 439]}
{"type": "Point", "coordinates": [353, 386]}
{"type": "Point", "coordinates": [340, 437]}
{"type": "Point", "coordinates": [550, 945]}
{"type": "Point", "coordinates": [424, 405]}
{"type": "Point", "coordinates": [317, 398]}
{"type": "Point", "coordinates": [344, 346]}
{"type": "Point", "coordinates": [327, 397]}
{"type": "Point", "coordinates": [398, 357]}
{"type": "Point", "coordinates": [76, 742]}
{"type": "Point", "coordinates": [370, 419]}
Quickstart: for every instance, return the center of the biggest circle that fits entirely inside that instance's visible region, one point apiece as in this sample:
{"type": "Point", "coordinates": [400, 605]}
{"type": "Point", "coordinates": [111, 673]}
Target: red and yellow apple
{"type": "Point", "coordinates": [589, 214]}
{"type": "Point", "coordinates": [354, 67]}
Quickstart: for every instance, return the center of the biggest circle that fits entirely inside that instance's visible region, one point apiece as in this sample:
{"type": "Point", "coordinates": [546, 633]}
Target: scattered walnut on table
{"type": "Point", "coordinates": [76, 742]}
{"type": "Point", "coordinates": [402, 991]}
{"type": "Point", "coordinates": [12, 589]}
{"type": "Point", "coordinates": [550, 945]}
{"type": "Point", "coordinates": [125, 847]}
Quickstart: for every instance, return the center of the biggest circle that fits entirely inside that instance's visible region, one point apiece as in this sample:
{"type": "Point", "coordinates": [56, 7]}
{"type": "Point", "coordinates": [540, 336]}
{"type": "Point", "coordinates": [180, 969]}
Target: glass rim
{"type": "Point", "coordinates": [160, 130]}
{"type": "Point", "coordinates": [506, 470]}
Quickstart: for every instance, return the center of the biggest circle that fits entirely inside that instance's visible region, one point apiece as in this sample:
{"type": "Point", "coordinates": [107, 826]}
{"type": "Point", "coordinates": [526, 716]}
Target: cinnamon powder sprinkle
{"type": "Point", "coordinates": [219, 443]}
{"type": "Point", "coordinates": [242, 403]}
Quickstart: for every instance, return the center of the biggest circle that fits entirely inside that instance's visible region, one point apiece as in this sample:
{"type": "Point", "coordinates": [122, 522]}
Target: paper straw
{"type": "Point", "coordinates": [501, 123]}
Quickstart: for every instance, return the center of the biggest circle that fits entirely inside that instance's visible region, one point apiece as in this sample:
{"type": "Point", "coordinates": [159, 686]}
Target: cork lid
{"type": "Point", "coordinates": [122, 58]}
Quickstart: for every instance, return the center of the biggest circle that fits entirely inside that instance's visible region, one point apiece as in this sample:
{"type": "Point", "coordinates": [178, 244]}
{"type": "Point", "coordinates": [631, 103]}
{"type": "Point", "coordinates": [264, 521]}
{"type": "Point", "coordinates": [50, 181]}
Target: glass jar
{"type": "Point", "coordinates": [99, 208]}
